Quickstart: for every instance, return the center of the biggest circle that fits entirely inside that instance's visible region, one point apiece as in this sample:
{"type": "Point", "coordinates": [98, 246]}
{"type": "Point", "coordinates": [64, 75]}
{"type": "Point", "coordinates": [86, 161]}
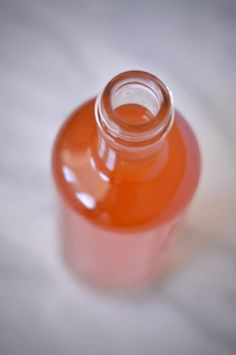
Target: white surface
{"type": "Point", "coordinates": [54, 55]}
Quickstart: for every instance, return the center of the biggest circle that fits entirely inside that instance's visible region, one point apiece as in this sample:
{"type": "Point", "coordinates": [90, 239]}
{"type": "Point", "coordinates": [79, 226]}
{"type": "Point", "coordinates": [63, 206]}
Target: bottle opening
{"type": "Point", "coordinates": [133, 114]}
{"type": "Point", "coordinates": [135, 106]}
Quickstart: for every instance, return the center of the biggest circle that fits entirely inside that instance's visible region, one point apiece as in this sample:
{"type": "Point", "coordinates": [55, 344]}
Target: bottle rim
{"type": "Point", "coordinates": [142, 88]}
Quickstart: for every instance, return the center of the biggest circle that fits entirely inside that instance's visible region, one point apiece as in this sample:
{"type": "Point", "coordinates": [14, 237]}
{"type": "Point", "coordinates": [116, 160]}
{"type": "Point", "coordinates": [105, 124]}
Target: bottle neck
{"type": "Point", "coordinates": [134, 114]}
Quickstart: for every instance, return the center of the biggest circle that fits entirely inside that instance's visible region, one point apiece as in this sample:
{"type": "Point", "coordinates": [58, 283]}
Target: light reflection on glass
{"type": "Point", "coordinates": [69, 175]}
{"type": "Point", "coordinates": [110, 162]}
{"type": "Point", "coordinates": [101, 149]}
{"type": "Point", "coordinates": [92, 162]}
{"type": "Point", "coordinates": [104, 177]}
{"type": "Point", "coordinates": [101, 174]}
{"type": "Point", "coordinates": [86, 199]}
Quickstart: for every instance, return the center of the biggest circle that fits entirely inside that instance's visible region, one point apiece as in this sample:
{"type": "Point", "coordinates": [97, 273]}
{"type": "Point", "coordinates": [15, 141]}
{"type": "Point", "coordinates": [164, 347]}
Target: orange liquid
{"type": "Point", "coordinates": [119, 211]}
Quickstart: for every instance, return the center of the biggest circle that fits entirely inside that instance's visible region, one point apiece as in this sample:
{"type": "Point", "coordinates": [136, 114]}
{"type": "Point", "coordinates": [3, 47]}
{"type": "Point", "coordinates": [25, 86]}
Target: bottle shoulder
{"type": "Point", "coordinates": [112, 198]}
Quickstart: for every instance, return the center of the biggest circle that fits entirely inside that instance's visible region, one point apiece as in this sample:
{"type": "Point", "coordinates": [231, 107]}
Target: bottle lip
{"type": "Point", "coordinates": [126, 134]}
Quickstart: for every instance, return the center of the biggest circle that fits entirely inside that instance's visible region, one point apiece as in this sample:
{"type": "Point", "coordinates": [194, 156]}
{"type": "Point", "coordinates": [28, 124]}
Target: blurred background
{"type": "Point", "coordinates": [53, 56]}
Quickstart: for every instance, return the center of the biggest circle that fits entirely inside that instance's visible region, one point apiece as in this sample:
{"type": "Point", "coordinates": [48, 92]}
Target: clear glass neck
{"type": "Point", "coordinates": [134, 111]}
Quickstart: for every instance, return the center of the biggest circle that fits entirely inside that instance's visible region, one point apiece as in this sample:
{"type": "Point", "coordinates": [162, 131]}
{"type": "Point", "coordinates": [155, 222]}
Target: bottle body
{"type": "Point", "coordinates": [111, 259]}
{"type": "Point", "coordinates": [120, 210]}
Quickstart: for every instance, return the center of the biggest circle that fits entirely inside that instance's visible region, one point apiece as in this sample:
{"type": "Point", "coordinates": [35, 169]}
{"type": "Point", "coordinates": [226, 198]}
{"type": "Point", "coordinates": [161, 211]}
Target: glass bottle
{"type": "Point", "coordinates": [126, 166]}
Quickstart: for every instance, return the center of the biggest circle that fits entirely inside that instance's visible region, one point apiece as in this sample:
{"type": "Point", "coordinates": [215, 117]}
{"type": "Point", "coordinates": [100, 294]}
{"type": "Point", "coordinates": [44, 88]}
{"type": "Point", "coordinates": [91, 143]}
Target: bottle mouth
{"type": "Point", "coordinates": [135, 109]}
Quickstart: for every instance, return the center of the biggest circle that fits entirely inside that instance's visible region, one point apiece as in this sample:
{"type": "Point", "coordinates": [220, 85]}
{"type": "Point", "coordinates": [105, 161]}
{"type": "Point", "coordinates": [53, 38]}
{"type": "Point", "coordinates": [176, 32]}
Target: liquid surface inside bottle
{"type": "Point", "coordinates": [121, 206]}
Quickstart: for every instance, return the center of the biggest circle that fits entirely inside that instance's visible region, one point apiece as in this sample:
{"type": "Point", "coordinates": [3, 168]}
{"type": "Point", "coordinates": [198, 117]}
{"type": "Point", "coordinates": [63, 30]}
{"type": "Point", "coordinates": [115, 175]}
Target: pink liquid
{"type": "Point", "coordinates": [119, 214]}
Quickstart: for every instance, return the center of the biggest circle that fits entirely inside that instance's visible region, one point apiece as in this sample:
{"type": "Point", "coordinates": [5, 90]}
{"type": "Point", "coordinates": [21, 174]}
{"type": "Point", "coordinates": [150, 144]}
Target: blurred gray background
{"type": "Point", "coordinates": [53, 56]}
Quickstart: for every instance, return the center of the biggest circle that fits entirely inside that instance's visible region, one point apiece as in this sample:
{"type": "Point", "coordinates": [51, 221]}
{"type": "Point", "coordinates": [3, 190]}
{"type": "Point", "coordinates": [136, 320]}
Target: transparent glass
{"type": "Point", "coordinates": [126, 166]}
